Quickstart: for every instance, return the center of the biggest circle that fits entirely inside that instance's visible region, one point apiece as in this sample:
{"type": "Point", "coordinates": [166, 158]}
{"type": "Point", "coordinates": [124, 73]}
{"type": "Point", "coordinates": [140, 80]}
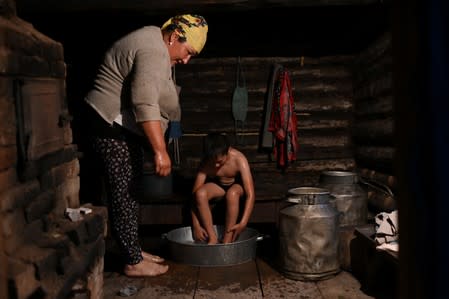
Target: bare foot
{"type": "Point", "coordinates": [212, 241]}
{"type": "Point", "coordinates": [152, 258]}
{"type": "Point", "coordinates": [145, 268]}
{"type": "Point", "coordinates": [227, 238]}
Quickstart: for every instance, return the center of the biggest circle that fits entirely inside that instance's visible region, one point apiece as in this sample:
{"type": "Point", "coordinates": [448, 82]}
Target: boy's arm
{"type": "Point", "coordinates": [199, 181]}
{"type": "Point", "coordinates": [198, 232]}
{"type": "Point", "coordinates": [248, 186]}
{"type": "Point", "coordinates": [195, 222]}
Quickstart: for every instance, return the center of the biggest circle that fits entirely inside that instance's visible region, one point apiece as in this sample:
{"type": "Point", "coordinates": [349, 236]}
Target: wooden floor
{"type": "Point", "coordinates": [255, 279]}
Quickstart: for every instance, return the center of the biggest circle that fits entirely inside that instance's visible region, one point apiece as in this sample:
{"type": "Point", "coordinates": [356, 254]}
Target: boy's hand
{"type": "Point", "coordinates": [236, 230]}
{"type": "Point", "coordinates": [200, 234]}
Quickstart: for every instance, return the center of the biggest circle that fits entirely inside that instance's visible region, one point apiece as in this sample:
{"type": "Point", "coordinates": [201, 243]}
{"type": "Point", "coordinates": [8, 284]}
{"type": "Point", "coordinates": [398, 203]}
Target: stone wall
{"type": "Point", "coordinates": [43, 254]}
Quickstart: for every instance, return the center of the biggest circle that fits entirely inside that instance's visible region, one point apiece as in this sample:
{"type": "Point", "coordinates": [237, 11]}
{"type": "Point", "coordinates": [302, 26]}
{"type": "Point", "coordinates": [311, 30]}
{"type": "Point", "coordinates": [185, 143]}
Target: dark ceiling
{"type": "Point", "coordinates": [236, 27]}
{"type": "Point", "coordinates": [152, 7]}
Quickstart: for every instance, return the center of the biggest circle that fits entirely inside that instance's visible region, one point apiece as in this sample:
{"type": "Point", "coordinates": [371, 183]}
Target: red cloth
{"type": "Point", "coordinates": [283, 122]}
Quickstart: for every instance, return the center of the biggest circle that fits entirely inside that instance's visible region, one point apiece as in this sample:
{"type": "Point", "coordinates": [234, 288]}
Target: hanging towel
{"type": "Point", "coordinates": [283, 122]}
{"type": "Point", "coordinates": [239, 103]}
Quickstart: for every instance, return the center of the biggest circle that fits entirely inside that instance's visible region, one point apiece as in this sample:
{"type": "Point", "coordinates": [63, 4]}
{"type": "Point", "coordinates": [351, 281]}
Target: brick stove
{"type": "Point", "coordinates": [43, 254]}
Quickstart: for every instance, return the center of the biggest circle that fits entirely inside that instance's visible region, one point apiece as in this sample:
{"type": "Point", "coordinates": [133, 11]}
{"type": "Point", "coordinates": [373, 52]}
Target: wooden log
{"type": "Point", "coordinates": [377, 106]}
{"type": "Point", "coordinates": [312, 165]}
{"type": "Point", "coordinates": [379, 87]}
{"type": "Point", "coordinates": [319, 87]}
{"type": "Point", "coordinates": [377, 131]}
{"type": "Point", "coordinates": [323, 103]}
{"type": "Point", "coordinates": [324, 116]}
{"type": "Point", "coordinates": [338, 139]}
{"type": "Point", "coordinates": [378, 153]}
{"type": "Point", "coordinates": [222, 101]}
{"type": "Point", "coordinates": [257, 72]}
{"type": "Point", "coordinates": [367, 73]}
{"type": "Point", "coordinates": [379, 158]}
{"type": "Point", "coordinates": [256, 101]}
{"type": "Point", "coordinates": [306, 123]}
{"type": "Point", "coordinates": [310, 123]}
{"type": "Point", "coordinates": [325, 141]}
{"type": "Point", "coordinates": [322, 71]}
{"type": "Point", "coordinates": [344, 87]}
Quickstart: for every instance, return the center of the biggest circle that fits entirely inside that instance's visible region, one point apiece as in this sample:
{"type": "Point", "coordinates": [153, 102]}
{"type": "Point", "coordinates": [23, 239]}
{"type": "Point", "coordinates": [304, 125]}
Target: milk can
{"type": "Point", "coordinates": [308, 235]}
{"type": "Point", "coordinates": [348, 196]}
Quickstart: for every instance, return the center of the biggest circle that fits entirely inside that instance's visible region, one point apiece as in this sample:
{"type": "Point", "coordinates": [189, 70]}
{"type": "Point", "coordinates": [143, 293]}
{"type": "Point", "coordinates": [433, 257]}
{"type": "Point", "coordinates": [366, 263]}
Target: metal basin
{"type": "Point", "coordinates": [185, 250]}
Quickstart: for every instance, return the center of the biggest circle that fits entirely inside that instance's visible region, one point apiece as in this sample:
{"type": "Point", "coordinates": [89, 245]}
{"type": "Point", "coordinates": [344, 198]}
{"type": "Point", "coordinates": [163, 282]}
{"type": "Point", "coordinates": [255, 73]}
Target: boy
{"type": "Point", "coordinates": [224, 172]}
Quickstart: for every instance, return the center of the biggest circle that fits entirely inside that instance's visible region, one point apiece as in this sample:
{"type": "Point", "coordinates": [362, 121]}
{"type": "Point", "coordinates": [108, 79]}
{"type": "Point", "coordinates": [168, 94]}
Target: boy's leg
{"type": "Point", "coordinates": [232, 210]}
{"type": "Point", "coordinates": [202, 197]}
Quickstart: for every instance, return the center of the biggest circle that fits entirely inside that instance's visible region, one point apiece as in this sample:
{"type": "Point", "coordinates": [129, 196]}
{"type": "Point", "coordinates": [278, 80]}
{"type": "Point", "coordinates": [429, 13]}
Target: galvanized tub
{"type": "Point", "coordinates": [308, 235]}
{"type": "Point", "coordinates": [350, 199]}
{"type": "Point", "coordinates": [183, 249]}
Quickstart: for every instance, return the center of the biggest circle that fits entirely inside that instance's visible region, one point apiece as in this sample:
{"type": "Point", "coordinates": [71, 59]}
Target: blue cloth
{"type": "Point", "coordinates": [174, 129]}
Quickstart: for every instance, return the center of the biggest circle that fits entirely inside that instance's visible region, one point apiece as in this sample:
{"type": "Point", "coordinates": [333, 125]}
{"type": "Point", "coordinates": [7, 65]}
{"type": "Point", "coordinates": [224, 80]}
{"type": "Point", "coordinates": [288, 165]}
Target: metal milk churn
{"type": "Point", "coordinates": [348, 196]}
{"type": "Point", "coordinates": [308, 235]}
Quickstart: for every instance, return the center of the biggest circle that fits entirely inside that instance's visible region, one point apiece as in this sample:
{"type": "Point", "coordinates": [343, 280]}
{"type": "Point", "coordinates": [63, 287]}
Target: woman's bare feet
{"type": "Point", "coordinates": [145, 268]}
{"type": "Point", "coordinates": [152, 258]}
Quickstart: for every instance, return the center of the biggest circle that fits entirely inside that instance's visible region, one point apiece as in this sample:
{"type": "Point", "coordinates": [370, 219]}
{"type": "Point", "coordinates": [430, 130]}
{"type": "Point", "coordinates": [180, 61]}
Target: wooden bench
{"type": "Point", "coordinates": [377, 270]}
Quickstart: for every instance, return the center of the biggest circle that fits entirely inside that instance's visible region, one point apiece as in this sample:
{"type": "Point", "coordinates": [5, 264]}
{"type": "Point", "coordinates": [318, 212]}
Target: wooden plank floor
{"type": "Point", "coordinates": [254, 279]}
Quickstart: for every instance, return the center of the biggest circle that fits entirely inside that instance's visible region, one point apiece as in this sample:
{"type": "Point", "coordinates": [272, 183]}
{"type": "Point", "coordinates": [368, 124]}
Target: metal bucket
{"type": "Point", "coordinates": [152, 186]}
{"type": "Point", "coordinates": [350, 199]}
{"type": "Point", "coordinates": [183, 248]}
{"type": "Point", "coordinates": [155, 187]}
{"type": "Point", "coordinates": [308, 235]}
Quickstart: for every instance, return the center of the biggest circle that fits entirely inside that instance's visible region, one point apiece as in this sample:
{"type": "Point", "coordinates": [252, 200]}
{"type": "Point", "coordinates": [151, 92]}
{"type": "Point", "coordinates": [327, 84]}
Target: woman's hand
{"type": "Point", "coordinates": [162, 163]}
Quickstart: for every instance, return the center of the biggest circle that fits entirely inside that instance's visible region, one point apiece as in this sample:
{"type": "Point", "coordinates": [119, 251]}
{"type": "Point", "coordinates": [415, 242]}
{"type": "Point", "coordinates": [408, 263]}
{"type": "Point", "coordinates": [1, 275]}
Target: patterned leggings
{"type": "Point", "coordinates": [122, 161]}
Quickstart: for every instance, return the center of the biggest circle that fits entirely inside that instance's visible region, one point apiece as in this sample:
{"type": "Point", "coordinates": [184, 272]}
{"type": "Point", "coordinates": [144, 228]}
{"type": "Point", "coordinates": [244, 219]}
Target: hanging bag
{"type": "Point", "coordinates": [239, 103]}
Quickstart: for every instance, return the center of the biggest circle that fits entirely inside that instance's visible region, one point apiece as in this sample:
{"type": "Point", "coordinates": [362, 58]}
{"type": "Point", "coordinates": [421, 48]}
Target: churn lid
{"type": "Point", "coordinates": [308, 195]}
{"type": "Point", "coordinates": [338, 177]}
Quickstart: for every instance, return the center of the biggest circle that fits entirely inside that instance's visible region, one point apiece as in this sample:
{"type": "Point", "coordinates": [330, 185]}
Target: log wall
{"type": "Point", "coordinates": [323, 92]}
{"type": "Point", "coordinates": [374, 117]}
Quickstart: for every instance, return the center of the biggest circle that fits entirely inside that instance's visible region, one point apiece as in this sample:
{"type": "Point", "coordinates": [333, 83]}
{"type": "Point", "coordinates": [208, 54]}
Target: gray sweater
{"type": "Point", "coordinates": [135, 76]}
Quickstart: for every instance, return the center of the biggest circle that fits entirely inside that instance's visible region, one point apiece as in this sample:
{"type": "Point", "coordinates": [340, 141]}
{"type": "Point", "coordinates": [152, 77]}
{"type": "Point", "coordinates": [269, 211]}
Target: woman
{"type": "Point", "coordinates": [134, 98]}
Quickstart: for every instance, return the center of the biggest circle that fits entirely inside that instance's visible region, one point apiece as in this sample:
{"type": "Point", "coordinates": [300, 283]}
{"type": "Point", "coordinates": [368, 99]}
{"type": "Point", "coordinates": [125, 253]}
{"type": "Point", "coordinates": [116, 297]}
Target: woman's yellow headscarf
{"type": "Point", "coordinates": [192, 27]}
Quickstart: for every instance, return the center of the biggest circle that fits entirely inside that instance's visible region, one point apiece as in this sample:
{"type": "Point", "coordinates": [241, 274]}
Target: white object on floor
{"type": "Point", "coordinates": [387, 231]}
